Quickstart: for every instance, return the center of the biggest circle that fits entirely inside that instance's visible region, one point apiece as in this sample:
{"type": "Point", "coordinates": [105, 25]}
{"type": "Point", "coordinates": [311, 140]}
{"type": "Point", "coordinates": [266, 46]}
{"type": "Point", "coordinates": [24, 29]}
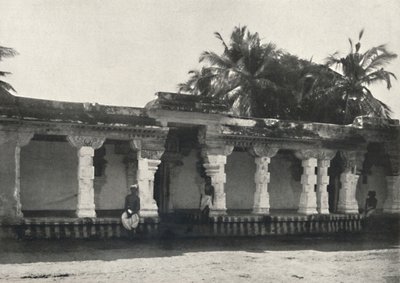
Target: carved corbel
{"type": "Point", "coordinates": [24, 138]}
{"type": "Point", "coordinates": [136, 144]}
{"type": "Point", "coordinates": [306, 154]}
{"type": "Point", "coordinates": [353, 161]}
{"type": "Point", "coordinates": [151, 154]}
{"type": "Point", "coordinates": [212, 150]}
{"type": "Point", "coordinates": [260, 150]}
{"type": "Point", "coordinates": [80, 141]}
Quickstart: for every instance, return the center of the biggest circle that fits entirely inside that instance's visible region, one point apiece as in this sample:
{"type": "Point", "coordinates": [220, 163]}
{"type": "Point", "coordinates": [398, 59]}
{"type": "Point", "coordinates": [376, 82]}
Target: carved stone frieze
{"type": "Point", "coordinates": [261, 150]}
{"type": "Point", "coordinates": [80, 141]}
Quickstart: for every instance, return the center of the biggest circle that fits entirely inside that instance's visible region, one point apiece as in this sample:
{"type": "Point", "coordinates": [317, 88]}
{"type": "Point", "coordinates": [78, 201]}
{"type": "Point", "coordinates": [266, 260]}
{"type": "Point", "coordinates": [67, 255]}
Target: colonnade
{"type": "Point", "coordinates": [314, 179]}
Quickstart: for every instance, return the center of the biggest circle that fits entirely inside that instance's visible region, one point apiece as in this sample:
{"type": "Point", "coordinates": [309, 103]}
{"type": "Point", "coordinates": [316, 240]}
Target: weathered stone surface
{"type": "Point", "coordinates": [392, 203]}
{"type": "Point", "coordinates": [261, 178]}
{"type": "Point", "coordinates": [145, 177]}
{"type": "Point", "coordinates": [308, 200]}
{"type": "Point", "coordinates": [347, 194]}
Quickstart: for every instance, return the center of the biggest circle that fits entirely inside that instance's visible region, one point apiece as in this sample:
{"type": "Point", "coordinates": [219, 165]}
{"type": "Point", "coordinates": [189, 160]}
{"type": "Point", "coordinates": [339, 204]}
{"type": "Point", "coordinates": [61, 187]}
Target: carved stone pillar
{"type": "Point", "coordinates": [347, 194]}
{"type": "Point", "coordinates": [392, 202]}
{"type": "Point", "coordinates": [324, 160]}
{"type": "Point", "coordinates": [308, 199]}
{"type": "Point", "coordinates": [263, 156]}
{"type": "Point", "coordinates": [215, 160]}
{"type": "Point", "coordinates": [86, 146]}
{"type": "Point", "coordinates": [10, 193]}
{"type": "Point", "coordinates": [149, 157]}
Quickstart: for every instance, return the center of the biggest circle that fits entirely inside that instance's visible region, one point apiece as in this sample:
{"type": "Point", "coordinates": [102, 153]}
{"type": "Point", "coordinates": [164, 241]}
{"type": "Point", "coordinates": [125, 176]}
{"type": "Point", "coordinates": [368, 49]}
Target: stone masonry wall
{"type": "Point", "coordinates": [48, 176]}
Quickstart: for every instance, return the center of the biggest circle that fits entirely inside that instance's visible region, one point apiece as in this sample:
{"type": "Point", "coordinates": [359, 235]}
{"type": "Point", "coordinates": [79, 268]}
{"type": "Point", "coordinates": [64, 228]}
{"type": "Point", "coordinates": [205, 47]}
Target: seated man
{"type": "Point", "coordinates": [370, 204]}
{"type": "Point", "coordinates": [206, 200]}
{"type": "Point", "coordinates": [130, 217]}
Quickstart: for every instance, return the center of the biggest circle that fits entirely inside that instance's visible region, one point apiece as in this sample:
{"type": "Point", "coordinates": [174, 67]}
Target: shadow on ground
{"type": "Point", "coordinates": [12, 251]}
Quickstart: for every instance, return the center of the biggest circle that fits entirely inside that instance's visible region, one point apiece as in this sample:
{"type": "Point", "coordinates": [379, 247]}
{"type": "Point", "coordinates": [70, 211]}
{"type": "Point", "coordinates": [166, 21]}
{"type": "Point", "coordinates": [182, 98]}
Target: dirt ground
{"type": "Point", "coordinates": [355, 258]}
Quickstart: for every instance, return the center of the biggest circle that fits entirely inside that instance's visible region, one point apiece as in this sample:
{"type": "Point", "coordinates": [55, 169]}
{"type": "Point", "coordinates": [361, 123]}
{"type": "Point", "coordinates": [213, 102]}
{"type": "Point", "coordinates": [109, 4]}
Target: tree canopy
{"type": "Point", "coordinates": [261, 80]}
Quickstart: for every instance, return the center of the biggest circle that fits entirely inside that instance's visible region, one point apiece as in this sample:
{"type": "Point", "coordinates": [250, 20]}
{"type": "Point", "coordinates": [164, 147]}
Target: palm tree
{"type": "Point", "coordinates": [255, 79]}
{"type": "Point", "coordinates": [242, 76]}
{"type": "Point", "coordinates": [357, 71]}
{"type": "Point", "coordinates": [5, 87]}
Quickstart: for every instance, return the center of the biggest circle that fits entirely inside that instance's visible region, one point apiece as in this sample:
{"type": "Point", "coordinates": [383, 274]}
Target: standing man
{"type": "Point", "coordinates": [130, 217]}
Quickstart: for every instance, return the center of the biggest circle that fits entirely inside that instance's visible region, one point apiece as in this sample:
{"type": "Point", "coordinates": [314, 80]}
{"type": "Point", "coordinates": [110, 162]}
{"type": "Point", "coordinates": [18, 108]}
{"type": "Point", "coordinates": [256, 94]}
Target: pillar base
{"type": "Point", "coordinates": [348, 210]}
{"type": "Point", "coordinates": [394, 207]}
{"type": "Point", "coordinates": [151, 213]}
{"type": "Point", "coordinates": [260, 211]}
{"type": "Point", "coordinates": [217, 212]}
{"type": "Point", "coordinates": [324, 211]}
{"type": "Point", "coordinates": [81, 213]}
{"type": "Point", "coordinates": [307, 210]}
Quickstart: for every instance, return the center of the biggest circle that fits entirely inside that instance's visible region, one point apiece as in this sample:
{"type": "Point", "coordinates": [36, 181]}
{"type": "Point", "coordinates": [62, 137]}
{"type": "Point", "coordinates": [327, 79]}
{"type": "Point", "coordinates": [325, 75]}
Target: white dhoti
{"type": "Point", "coordinates": [130, 222]}
{"type": "Point", "coordinates": [206, 200]}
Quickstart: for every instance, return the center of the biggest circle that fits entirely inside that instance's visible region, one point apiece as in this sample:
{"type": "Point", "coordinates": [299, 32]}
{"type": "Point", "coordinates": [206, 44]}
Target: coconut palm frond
{"type": "Point", "coordinates": [214, 59]}
{"type": "Point", "coordinates": [6, 52]}
{"type": "Point", "coordinates": [378, 76]}
{"type": "Point", "coordinates": [218, 35]}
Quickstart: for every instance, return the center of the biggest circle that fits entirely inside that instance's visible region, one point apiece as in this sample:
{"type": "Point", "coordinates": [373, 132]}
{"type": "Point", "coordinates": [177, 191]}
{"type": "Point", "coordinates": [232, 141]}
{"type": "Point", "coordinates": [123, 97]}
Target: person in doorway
{"type": "Point", "coordinates": [370, 204]}
{"type": "Point", "coordinates": [130, 217]}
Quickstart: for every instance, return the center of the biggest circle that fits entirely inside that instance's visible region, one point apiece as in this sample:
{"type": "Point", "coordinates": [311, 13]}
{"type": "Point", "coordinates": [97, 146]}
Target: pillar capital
{"type": "Point", "coordinates": [353, 161]}
{"type": "Point", "coordinates": [216, 149]}
{"type": "Point", "coordinates": [89, 141]}
{"type": "Point", "coordinates": [20, 138]}
{"type": "Point", "coordinates": [323, 154]}
{"type": "Point", "coordinates": [148, 148]}
{"type": "Point", "coordinates": [263, 150]}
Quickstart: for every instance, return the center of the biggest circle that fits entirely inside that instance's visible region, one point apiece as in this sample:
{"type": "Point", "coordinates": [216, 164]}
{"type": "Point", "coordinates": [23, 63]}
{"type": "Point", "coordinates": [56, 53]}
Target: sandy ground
{"type": "Point", "coordinates": [288, 259]}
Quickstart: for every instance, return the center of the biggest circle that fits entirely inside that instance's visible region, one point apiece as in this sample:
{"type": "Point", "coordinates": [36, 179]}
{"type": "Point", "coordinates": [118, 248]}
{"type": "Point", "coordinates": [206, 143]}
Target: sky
{"type": "Point", "coordinates": [122, 52]}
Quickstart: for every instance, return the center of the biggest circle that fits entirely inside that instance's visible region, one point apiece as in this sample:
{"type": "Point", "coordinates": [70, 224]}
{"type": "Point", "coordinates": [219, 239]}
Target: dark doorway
{"type": "Point", "coordinates": [334, 171]}
{"type": "Point", "coordinates": [161, 188]}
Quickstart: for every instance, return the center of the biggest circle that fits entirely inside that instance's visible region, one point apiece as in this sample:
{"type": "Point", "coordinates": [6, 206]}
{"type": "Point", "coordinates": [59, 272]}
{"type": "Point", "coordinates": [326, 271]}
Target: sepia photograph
{"type": "Point", "coordinates": [199, 141]}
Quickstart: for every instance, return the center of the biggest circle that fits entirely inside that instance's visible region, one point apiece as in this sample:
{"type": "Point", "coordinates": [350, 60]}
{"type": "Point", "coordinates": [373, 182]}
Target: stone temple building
{"type": "Point", "coordinates": [66, 168]}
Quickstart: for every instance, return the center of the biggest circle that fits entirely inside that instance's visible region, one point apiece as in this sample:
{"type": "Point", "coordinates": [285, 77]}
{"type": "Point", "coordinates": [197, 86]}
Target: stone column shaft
{"type": "Point", "coordinates": [392, 203]}
{"type": "Point", "coordinates": [10, 187]}
{"type": "Point", "coordinates": [347, 194]}
{"type": "Point", "coordinates": [322, 184]}
{"type": "Point", "coordinates": [308, 200]}
{"type": "Point", "coordinates": [352, 161]}
{"type": "Point", "coordinates": [215, 169]}
{"type": "Point", "coordinates": [261, 196]}
{"type": "Point", "coordinates": [145, 177]}
{"type": "Point", "coordinates": [86, 146]}
{"type": "Point", "coordinates": [85, 206]}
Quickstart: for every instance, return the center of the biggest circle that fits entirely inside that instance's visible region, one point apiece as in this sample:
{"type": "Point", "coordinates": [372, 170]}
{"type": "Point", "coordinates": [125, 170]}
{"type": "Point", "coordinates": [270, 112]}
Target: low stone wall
{"type": "Point", "coordinates": [181, 225]}
{"type": "Point", "coordinates": [284, 225]}
{"type": "Point", "coordinates": [78, 228]}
